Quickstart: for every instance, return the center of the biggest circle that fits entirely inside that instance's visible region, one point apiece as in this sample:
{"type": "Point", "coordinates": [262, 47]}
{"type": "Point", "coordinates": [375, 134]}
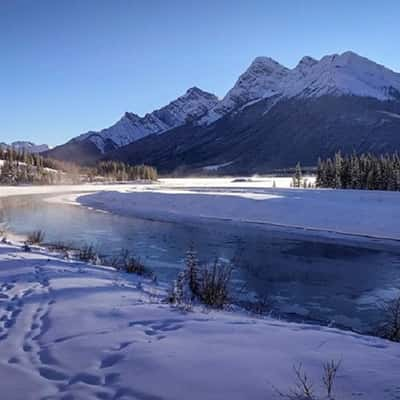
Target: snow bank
{"type": "Point", "coordinates": [364, 213]}
{"type": "Point", "coordinates": [69, 330]}
{"type": "Point", "coordinates": [249, 200]}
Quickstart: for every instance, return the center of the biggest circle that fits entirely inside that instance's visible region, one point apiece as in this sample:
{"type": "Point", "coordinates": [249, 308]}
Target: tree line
{"type": "Point", "coordinates": [21, 167]}
{"type": "Point", "coordinates": [120, 171]}
{"type": "Point", "coordinates": [365, 171]}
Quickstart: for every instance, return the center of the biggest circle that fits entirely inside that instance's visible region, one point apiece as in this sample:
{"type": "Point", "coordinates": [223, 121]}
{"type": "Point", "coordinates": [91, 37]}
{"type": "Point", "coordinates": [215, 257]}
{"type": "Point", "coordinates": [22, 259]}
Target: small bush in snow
{"type": "Point", "coordinates": [180, 293]}
{"type": "Point", "coordinates": [88, 254]}
{"type": "Point", "coordinates": [59, 246]}
{"type": "Point", "coordinates": [214, 284]}
{"type": "Point", "coordinates": [36, 237]}
{"type": "Point", "coordinates": [26, 248]}
{"type": "Point", "coordinates": [329, 376]}
{"type": "Point", "coordinates": [390, 326]}
{"type": "Point", "coordinates": [208, 284]}
{"type": "Point", "coordinates": [304, 388]}
{"type": "Point", "coordinates": [128, 263]}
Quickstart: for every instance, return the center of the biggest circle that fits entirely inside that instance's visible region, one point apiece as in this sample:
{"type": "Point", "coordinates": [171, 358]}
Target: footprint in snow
{"type": "Point", "coordinates": [52, 374]}
{"type": "Point", "coordinates": [110, 360]}
{"type": "Point", "coordinates": [84, 377]}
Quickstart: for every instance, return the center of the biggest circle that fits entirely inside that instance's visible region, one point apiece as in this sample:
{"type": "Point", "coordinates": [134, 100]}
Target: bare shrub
{"type": "Point", "coordinates": [134, 266]}
{"type": "Point", "coordinates": [88, 253]}
{"type": "Point", "coordinates": [261, 306]}
{"type": "Point", "coordinates": [214, 284]}
{"type": "Point", "coordinates": [304, 388]}
{"type": "Point", "coordinates": [126, 262]}
{"type": "Point", "coordinates": [390, 325]}
{"type": "Point", "coordinates": [36, 237]}
{"type": "Point", "coordinates": [329, 377]}
{"type": "Point", "coordinates": [26, 248]}
{"type": "Point", "coordinates": [59, 246]}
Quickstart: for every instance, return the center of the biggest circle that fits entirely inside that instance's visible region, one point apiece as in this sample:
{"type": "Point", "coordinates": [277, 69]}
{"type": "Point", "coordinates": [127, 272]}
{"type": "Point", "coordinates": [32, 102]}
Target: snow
{"type": "Point", "coordinates": [337, 74]}
{"type": "Point", "coordinates": [390, 114]}
{"type": "Point", "coordinates": [70, 330]}
{"type": "Point", "coordinates": [251, 200]}
{"type": "Point", "coordinates": [262, 79]}
{"type": "Point", "coordinates": [254, 200]}
{"type": "Point", "coordinates": [372, 214]}
{"type": "Point", "coordinates": [216, 167]}
{"type": "Point", "coordinates": [344, 74]}
{"type": "Point", "coordinates": [192, 105]}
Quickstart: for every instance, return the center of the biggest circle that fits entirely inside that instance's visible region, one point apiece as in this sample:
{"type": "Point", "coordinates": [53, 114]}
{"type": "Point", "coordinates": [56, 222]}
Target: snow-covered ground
{"type": "Point", "coordinates": [363, 213]}
{"type": "Point", "coordinates": [73, 331]}
{"type": "Point", "coordinates": [6, 191]}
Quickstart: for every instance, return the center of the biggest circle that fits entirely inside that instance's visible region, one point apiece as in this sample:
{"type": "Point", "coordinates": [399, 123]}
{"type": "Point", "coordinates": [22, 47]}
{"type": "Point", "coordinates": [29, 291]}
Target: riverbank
{"type": "Point", "coordinates": [72, 329]}
{"type": "Point", "coordinates": [371, 214]}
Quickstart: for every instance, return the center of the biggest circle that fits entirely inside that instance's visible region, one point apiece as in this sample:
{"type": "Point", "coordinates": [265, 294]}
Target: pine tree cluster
{"type": "Point", "coordinates": [21, 167]}
{"type": "Point", "coordinates": [365, 171]}
{"type": "Point", "coordinates": [124, 172]}
{"type": "Point", "coordinates": [24, 168]}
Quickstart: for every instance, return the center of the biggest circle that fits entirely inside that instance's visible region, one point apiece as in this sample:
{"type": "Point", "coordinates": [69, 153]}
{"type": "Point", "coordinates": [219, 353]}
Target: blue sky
{"type": "Point", "coordinates": [68, 66]}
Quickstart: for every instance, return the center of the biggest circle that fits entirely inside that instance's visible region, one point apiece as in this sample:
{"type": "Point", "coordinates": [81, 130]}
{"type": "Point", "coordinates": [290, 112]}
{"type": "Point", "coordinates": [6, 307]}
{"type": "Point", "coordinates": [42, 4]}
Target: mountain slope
{"type": "Point", "coordinates": [272, 117]}
{"type": "Point", "coordinates": [192, 105]}
{"type": "Point", "coordinates": [292, 130]}
{"type": "Point", "coordinates": [262, 79]}
{"type": "Point", "coordinates": [344, 74]}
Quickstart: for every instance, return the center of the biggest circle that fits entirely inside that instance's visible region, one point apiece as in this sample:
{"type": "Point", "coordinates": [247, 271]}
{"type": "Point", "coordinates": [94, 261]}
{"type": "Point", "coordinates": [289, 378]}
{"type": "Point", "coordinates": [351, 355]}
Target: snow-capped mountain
{"type": "Point", "coordinates": [262, 79]}
{"type": "Point", "coordinates": [344, 74]}
{"type": "Point", "coordinates": [26, 146]}
{"type": "Point", "coordinates": [192, 105]}
{"type": "Point", "coordinates": [338, 74]}
{"type": "Point", "coordinates": [271, 118]}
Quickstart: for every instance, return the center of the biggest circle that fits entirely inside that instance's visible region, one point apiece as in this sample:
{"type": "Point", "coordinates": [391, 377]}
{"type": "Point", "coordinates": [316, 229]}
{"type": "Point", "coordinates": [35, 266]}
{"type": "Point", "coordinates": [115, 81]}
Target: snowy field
{"type": "Point", "coordinates": [73, 331]}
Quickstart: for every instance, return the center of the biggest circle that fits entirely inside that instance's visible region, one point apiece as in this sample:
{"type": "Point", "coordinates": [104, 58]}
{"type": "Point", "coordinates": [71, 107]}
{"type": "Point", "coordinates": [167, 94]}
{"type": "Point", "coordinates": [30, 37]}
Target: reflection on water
{"type": "Point", "coordinates": [305, 276]}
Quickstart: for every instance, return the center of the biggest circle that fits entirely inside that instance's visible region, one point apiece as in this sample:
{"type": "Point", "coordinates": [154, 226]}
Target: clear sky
{"type": "Point", "coordinates": [68, 66]}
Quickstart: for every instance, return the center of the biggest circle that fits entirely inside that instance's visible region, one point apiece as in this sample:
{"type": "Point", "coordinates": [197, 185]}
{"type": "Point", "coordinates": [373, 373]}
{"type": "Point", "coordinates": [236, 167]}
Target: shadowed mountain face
{"type": "Point", "coordinates": [271, 118]}
{"type": "Point", "coordinates": [292, 130]}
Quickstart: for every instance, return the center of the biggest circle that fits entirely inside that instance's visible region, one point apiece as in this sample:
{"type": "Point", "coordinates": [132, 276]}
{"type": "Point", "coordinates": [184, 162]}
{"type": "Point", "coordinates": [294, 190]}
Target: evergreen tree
{"type": "Point", "coordinates": [192, 270]}
{"type": "Point", "coordinates": [360, 172]}
{"type": "Point", "coordinates": [297, 177]}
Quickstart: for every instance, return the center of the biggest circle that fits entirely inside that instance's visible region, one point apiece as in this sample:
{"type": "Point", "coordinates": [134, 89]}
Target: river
{"type": "Point", "coordinates": [334, 280]}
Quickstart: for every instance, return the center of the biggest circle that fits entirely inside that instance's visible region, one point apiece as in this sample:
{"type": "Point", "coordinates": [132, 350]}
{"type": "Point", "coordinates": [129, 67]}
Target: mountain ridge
{"type": "Point", "coordinates": [30, 147]}
{"type": "Point", "coordinates": [187, 119]}
{"type": "Point", "coordinates": [193, 104]}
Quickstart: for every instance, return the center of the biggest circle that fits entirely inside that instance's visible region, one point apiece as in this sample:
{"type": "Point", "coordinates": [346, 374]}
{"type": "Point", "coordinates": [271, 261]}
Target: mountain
{"type": "Point", "coordinates": [26, 146]}
{"type": "Point", "coordinates": [271, 118]}
{"type": "Point", "coordinates": [262, 79]}
{"type": "Point", "coordinates": [256, 141]}
{"type": "Point", "coordinates": [194, 104]}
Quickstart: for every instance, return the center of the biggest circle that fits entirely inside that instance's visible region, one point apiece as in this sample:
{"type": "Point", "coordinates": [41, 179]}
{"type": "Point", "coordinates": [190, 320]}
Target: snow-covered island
{"type": "Point", "coordinates": [71, 330]}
